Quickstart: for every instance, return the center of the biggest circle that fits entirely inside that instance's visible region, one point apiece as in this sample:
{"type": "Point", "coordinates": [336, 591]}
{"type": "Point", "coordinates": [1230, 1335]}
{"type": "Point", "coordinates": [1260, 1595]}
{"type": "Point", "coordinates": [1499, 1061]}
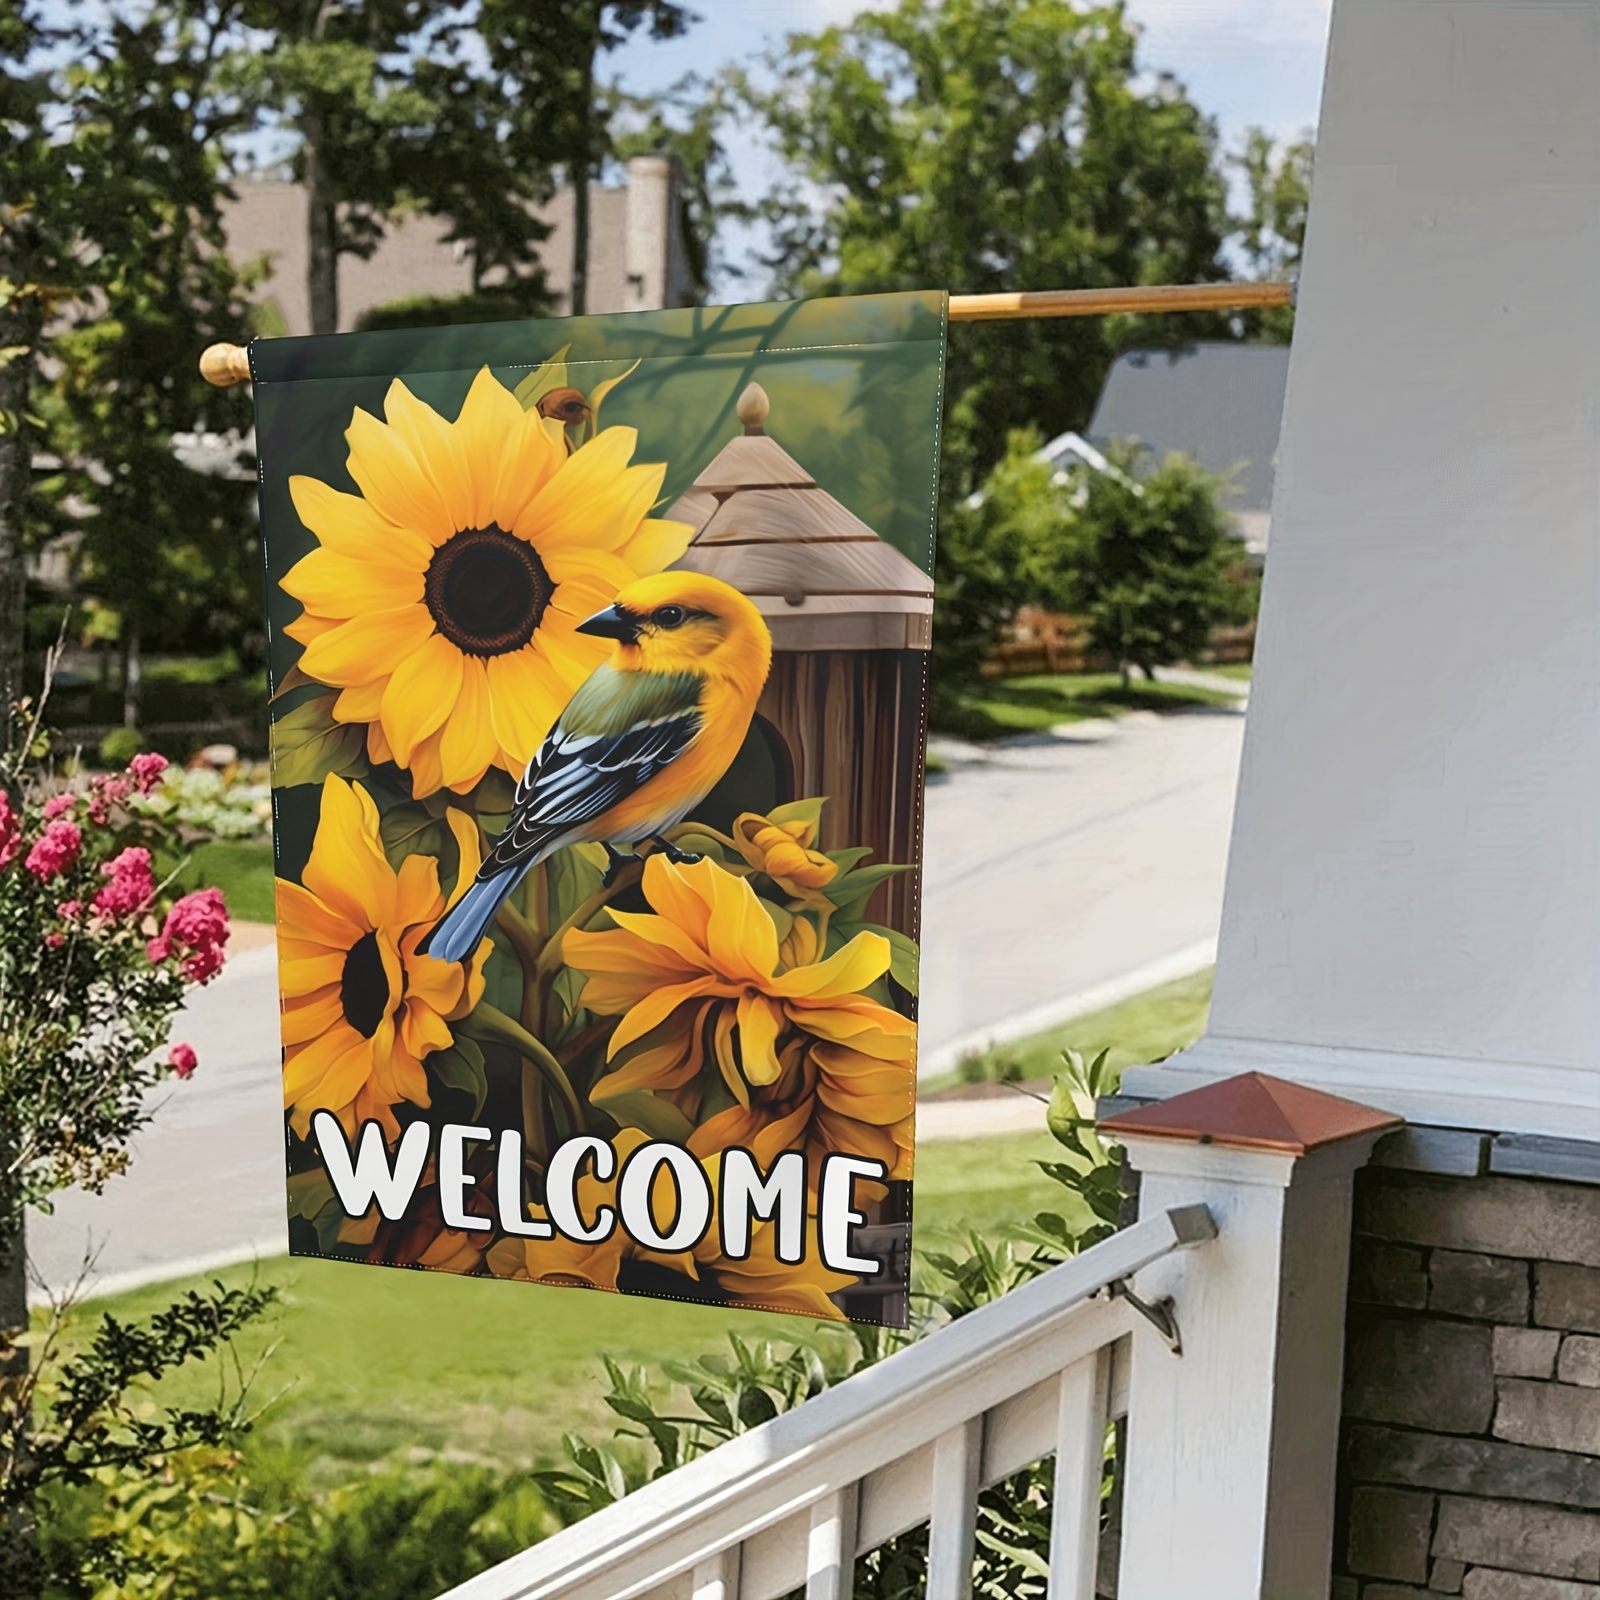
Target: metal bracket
{"type": "Point", "coordinates": [1162, 1316]}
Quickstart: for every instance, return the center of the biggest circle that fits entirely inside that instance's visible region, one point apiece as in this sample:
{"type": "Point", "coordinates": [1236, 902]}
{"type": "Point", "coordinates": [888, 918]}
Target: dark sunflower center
{"type": "Point", "coordinates": [487, 591]}
{"type": "Point", "coordinates": [364, 988]}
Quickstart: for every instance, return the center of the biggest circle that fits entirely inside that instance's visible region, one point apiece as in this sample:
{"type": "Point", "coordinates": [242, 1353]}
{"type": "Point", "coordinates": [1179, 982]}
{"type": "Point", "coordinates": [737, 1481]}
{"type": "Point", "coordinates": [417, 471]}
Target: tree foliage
{"type": "Point", "coordinates": [989, 145]}
{"type": "Point", "coordinates": [1271, 233]}
{"type": "Point", "coordinates": [1153, 561]}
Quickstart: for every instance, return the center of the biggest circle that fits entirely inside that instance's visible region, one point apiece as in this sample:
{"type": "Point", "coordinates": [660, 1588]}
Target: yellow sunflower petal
{"type": "Point", "coordinates": [346, 523]}
{"type": "Point", "coordinates": [427, 771]}
{"type": "Point", "coordinates": [423, 1030]}
{"type": "Point", "coordinates": [393, 481]}
{"type": "Point", "coordinates": [304, 974]}
{"type": "Point", "coordinates": [304, 1020]}
{"type": "Point", "coordinates": [654, 545]}
{"type": "Point", "coordinates": [847, 971]}
{"type": "Point", "coordinates": [653, 1010]}
{"type": "Point", "coordinates": [366, 647]}
{"type": "Point", "coordinates": [347, 869]}
{"type": "Point", "coordinates": [423, 690]}
{"type": "Point", "coordinates": [740, 936]}
{"type": "Point", "coordinates": [581, 503]}
{"type": "Point", "coordinates": [336, 585]}
{"type": "Point", "coordinates": [305, 1072]}
{"type": "Point", "coordinates": [361, 702]}
{"type": "Point", "coordinates": [417, 898]}
{"type": "Point", "coordinates": [680, 897]}
{"type": "Point", "coordinates": [467, 744]}
{"type": "Point", "coordinates": [525, 698]}
{"type": "Point", "coordinates": [759, 1024]}
{"type": "Point", "coordinates": [302, 916]}
{"type": "Point", "coordinates": [438, 450]}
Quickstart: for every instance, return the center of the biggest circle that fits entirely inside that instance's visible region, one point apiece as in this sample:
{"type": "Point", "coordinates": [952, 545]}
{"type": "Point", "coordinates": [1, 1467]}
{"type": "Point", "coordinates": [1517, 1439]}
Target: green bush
{"type": "Point", "coordinates": [120, 746]}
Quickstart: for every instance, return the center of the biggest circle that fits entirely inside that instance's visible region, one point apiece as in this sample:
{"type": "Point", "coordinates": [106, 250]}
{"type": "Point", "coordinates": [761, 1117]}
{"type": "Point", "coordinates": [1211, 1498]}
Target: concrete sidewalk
{"type": "Point", "coordinates": [1062, 872]}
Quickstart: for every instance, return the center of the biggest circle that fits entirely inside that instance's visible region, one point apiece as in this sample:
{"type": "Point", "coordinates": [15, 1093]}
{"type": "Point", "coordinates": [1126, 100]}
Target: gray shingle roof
{"type": "Point", "coordinates": [1221, 403]}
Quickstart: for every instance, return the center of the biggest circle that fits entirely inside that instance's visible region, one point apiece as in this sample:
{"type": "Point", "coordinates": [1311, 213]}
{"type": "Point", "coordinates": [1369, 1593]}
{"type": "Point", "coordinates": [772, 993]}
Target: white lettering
{"type": "Point", "coordinates": [508, 1191]}
{"type": "Point", "coordinates": [455, 1180]}
{"type": "Point", "coordinates": [836, 1216]}
{"type": "Point", "coordinates": [561, 1188]}
{"type": "Point", "coordinates": [692, 1200]}
{"type": "Point", "coordinates": [745, 1195]}
{"type": "Point", "coordinates": [368, 1178]}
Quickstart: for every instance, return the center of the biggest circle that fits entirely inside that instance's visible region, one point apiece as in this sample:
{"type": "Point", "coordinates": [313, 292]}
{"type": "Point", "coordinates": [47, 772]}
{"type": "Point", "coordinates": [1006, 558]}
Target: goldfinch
{"type": "Point", "coordinates": [641, 743]}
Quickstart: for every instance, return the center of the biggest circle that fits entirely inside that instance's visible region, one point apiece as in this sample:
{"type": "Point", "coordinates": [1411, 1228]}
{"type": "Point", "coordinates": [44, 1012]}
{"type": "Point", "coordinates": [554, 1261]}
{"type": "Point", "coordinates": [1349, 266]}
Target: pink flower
{"type": "Point", "coordinates": [182, 1059]}
{"type": "Point", "coordinates": [196, 930]}
{"type": "Point", "coordinates": [55, 850]}
{"type": "Point", "coordinates": [104, 793]}
{"type": "Point", "coordinates": [10, 832]}
{"type": "Point", "coordinates": [71, 910]}
{"type": "Point", "coordinates": [55, 940]}
{"type": "Point", "coordinates": [58, 806]}
{"type": "Point", "coordinates": [146, 771]}
{"type": "Point", "coordinates": [132, 886]}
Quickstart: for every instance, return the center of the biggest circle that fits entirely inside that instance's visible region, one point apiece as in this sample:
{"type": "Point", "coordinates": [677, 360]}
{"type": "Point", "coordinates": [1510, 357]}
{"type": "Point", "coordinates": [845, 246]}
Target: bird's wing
{"type": "Point", "coordinates": [618, 732]}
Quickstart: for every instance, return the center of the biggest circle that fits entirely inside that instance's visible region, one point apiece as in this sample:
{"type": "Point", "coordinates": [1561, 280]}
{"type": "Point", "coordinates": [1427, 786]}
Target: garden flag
{"type": "Point", "coordinates": [599, 670]}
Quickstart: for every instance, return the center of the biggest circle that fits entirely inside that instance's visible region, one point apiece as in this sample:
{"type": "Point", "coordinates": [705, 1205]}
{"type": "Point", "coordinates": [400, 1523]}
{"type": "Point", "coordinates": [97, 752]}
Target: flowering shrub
{"type": "Point", "coordinates": [203, 801]}
{"type": "Point", "coordinates": [94, 964]}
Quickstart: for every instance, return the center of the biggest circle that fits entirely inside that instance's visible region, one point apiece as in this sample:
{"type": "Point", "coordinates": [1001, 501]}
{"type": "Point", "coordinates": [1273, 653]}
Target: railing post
{"type": "Point", "coordinates": [1232, 1443]}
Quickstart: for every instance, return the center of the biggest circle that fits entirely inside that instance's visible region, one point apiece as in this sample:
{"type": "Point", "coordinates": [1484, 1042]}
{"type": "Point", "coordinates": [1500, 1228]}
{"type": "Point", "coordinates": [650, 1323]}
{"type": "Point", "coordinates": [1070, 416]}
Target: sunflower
{"type": "Point", "coordinates": [759, 1281]}
{"type": "Point", "coordinates": [444, 598]}
{"type": "Point", "coordinates": [703, 985]}
{"type": "Point", "coordinates": [361, 1009]}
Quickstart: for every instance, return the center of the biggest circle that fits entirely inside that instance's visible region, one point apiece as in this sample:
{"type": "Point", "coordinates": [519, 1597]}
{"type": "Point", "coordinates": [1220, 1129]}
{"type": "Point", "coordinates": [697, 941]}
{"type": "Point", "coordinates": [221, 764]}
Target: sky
{"type": "Point", "coordinates": [1248, 63]}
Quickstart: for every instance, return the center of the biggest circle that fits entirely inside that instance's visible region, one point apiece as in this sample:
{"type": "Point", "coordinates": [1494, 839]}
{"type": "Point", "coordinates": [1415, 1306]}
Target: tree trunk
{"type": "Point", "coordinates": [322, 234]}
{"type": "Point", "coordinates": [582, 170]}
{"type": "Point", "coordinates": [18, 1536]}
{"type": "Point", "coordinates": [132, 676]}
{"type": "Point", "coordinates": [18, 328]}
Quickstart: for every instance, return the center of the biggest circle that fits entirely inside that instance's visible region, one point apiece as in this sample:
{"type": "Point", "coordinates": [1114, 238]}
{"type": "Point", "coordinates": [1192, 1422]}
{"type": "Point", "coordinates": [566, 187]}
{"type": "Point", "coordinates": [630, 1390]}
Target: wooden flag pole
{"type": "Point", "coordinates": [224, 365]}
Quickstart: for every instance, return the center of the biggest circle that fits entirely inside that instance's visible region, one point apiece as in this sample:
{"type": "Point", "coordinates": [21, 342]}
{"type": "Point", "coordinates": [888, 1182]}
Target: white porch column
{"type": "Point", "coordinates": [1232, 1444]}
{"type": "Point", "coordinates": [1412, 912]}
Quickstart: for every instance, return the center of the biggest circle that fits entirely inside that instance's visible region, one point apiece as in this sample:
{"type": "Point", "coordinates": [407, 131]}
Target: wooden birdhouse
{"type": "Point", "coordinates": [851, 620]}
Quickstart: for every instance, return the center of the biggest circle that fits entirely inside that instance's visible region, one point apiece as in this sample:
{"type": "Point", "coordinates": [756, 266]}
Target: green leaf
{"type": "Point", "coordinates": [409, 830]}
{"type": "Point", "coordinates": [308, 745]}
{"type": "Point", "coordinates": [802, 811]}
{"type": "Point", "coordinates": [462, 1067]}
{"type": "Point", "coordinates": [572, 877]}
{"type": "Point", "coordinates": [640, 1108]}
{"type": "Point", "coordinates": [538, 383]}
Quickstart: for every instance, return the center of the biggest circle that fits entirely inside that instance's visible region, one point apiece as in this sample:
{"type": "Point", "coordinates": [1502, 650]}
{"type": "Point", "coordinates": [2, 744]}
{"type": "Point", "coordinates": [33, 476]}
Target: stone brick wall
{"type": "Point", "coordinates": [1470, 1458]}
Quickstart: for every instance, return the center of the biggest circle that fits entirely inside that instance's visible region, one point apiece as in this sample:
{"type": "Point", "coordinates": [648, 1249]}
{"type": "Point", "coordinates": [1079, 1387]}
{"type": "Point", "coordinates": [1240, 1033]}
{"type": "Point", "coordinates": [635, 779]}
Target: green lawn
{"type": "Point", "coordinates": [993, 708]}
{"type": "Point", "coordinates": [241, 868]}
{"type": "Point", "coordinates": [1234, 669]}
{"type": "Point", "coordinates": [368, 1361]}
{"type": "Point", "coordinates": [1147, 1028]}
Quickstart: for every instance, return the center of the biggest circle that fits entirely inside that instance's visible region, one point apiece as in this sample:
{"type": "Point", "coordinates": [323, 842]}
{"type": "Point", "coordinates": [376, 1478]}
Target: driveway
{"type": "Point", "coordinates": [1063, 872]}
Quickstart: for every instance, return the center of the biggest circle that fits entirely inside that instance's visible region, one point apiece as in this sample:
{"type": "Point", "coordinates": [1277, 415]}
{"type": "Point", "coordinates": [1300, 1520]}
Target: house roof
{"type": "Point", "coordinates": [820, 576]}
{"type": "Point", "coordinates": [1220, 403]}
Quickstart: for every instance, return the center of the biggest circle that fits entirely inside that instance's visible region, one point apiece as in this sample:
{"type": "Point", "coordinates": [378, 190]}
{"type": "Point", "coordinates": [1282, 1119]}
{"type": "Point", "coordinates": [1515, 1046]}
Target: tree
{"type": "Point", "coordinates": [1152, 562]}
{"type": "Point", "coordinates": [338, 73]}
{"type": "Point", "coordinates": [1008, 545]}
{"type": "Point", "coordinates": [36, 267]}
{"type": "Point", "coordinates": [140, 126]}
{"type": "Point", "coordinates": [549, 53]}
{"type": "Point", "coordinates": [987, 145]}
{"type": "Point", "coordinates": [1271, 234]}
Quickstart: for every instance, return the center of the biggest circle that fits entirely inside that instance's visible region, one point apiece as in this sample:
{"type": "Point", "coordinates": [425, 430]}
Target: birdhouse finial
{"type": "Point", "coordinates": [753, 407]}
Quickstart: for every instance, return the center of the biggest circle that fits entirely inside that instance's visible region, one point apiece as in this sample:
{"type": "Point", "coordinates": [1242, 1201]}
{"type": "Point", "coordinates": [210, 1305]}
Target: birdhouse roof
{"type": "Point", "coordinates": [766, 526]}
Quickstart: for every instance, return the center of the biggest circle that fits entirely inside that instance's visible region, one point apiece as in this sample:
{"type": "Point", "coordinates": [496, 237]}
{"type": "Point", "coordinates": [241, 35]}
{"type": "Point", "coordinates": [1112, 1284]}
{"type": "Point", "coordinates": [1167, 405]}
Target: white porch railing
{"type": "Point", "coordinates": [911, 1440]}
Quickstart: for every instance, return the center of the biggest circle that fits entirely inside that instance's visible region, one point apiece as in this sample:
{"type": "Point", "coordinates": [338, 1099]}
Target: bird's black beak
{"type": "Point", "coordinates": [612, 623]}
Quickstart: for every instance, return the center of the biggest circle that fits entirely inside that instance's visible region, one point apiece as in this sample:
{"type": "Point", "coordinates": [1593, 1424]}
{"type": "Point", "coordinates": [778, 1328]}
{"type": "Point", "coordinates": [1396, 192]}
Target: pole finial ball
{"type": "Point", "coordinates": [753, 407]}
{"type": "Point", "coordinates": [223, 365]}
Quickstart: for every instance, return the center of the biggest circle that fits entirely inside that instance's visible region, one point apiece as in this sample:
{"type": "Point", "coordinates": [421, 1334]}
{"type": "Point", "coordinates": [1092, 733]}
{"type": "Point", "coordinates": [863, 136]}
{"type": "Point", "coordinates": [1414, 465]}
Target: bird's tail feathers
{"type": "Point", "coordinates": [455, 936]}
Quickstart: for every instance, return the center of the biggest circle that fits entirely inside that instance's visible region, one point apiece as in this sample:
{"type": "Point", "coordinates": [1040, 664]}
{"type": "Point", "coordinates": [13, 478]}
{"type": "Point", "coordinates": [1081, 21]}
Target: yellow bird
{"type": "Point", "coordinates": [641, 743]}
